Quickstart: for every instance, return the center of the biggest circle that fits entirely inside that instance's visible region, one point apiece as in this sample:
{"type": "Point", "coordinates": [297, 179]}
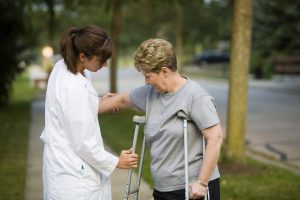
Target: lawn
{"type": "Point", "coordinates": [15, 120]}
{"type": "Point", "coordinates": [252, 180]}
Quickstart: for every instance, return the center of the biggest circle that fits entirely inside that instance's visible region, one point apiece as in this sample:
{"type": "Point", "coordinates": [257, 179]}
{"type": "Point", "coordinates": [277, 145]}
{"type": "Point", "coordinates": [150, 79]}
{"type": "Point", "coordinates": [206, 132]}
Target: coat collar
{"type": "Point", "coordinates": [86, 84]}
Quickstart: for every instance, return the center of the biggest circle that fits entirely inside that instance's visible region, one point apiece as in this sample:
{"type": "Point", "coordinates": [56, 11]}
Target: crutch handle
{"type": "Point", "coordinates": [139, 119]}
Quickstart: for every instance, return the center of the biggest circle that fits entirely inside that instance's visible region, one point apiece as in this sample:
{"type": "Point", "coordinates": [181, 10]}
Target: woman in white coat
{"type": "Point", "coordinates": [75, 164]}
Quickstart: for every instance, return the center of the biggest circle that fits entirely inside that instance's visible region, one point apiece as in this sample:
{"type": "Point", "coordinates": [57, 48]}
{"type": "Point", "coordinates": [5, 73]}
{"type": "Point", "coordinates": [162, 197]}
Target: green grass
{"type": "Point", "coordinates": [252, 180]}
{"type": "Point", "coordinates": [15, 120]}
{"type": "Point", "coordinates": [117, 131]}
{"type": "Point", "coordinates": [255, 180]}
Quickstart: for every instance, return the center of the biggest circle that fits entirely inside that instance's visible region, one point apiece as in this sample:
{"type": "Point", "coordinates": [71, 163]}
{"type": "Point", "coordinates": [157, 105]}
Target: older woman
{"type": "Point", "coordinates": [165, 94]}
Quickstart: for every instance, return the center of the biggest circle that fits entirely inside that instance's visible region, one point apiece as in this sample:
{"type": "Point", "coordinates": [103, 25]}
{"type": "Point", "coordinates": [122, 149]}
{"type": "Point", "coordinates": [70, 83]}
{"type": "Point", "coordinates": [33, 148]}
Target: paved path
{"type": "Point", "coordinates": [33, 188]}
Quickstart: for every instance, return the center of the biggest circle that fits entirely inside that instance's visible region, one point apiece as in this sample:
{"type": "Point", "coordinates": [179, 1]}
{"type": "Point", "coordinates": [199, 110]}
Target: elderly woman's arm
{"type": "Point", "coordinates": [112, 102]}
{"type": "Point", "coordinates": [214, 139]}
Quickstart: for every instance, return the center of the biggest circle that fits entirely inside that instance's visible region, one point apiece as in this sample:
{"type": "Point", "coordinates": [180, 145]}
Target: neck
{"type": "Point", "coordinates": [175, 82]}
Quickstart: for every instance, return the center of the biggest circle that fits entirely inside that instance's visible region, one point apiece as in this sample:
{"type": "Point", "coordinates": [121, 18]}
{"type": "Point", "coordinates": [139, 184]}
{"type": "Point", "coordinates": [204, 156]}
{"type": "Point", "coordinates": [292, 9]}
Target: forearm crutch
{"type": "Point", "coordinates": [138, 121]}
{"type": "Point", "coordinates": [186, 118]}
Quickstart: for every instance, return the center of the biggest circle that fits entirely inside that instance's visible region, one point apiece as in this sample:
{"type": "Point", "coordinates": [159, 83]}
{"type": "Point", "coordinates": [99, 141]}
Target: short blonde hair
{"type": "Point", "coordinates": [153, 54]}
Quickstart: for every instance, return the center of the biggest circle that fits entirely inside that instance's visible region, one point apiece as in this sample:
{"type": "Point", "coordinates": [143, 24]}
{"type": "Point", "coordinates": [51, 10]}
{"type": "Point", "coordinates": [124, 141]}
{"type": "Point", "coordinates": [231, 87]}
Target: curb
{"type": "Point", "coordinates": [272, 159]}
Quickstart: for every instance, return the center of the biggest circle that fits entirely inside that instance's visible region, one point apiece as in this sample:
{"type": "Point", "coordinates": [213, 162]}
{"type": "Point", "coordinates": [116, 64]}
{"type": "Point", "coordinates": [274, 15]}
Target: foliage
{"type": "Point", "coordinates": [12, 27]}
{"type": "Point", "coordinates": [275, 32]}
{"type": "Point", "coordinates": [204, 24]}
{"type": "Point", "coordinates": [207, 24]}
{"type": "Point", "coordinates": [15, 120]}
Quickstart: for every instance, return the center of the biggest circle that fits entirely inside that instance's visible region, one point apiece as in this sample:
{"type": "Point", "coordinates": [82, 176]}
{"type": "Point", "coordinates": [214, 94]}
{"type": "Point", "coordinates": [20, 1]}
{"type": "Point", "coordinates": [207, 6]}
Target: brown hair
{"type": "Point", "coordinates": [153, 54]}
{"type": "Point", "coordinates": [89, 40]}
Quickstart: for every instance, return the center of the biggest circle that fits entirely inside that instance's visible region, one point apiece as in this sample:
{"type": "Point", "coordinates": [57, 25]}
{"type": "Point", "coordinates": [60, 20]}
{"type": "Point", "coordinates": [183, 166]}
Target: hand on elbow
{"type": "Point", "coordinates": [127, 159]}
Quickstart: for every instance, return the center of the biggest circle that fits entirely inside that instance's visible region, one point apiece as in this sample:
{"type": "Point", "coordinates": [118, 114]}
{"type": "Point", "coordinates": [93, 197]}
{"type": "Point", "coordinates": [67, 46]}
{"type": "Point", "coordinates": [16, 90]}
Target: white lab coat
{"type": "Point", "coordinates": [75, 163]}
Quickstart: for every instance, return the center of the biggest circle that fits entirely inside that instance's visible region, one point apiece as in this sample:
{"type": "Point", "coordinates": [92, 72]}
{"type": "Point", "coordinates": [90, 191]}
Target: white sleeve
{"type": "Point", "coordinates": [82, 131]}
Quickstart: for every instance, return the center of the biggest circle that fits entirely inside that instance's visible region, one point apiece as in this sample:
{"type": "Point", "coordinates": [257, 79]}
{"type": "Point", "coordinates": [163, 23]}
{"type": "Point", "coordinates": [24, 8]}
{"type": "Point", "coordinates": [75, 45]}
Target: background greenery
{"type": "Point", "coordinates": [15, 121]}
{"type": "Point", "coordinates": [204, 24]}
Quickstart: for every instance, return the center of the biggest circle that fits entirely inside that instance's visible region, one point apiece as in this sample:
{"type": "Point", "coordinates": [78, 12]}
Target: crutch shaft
{"type": "Point", "coordinates": [138, 120]}
{"type": "Point", "coordinates": [186, 170]}
{"type": "Point", "coordinates": [138, 182]}
{"type": "Point", "coordinates": [127, 190]}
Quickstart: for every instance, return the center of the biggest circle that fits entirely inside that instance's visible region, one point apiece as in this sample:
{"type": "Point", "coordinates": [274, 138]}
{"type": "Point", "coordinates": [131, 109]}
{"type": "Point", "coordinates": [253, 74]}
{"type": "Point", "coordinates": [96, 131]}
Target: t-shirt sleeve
{"type": "Point", "coordinates": [138, 96]}
{"type": "Point", "coordinates": [203, 112]}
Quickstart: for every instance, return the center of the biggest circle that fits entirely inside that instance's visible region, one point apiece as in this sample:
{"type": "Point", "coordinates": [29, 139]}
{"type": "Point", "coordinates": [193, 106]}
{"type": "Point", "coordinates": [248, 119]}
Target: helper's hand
{"type": "Point", "coordinates": [107, 96]}
{"type": "Point", "coordinates": [197, 190]}
{"type": "Point", "coordinates": [127, 159]}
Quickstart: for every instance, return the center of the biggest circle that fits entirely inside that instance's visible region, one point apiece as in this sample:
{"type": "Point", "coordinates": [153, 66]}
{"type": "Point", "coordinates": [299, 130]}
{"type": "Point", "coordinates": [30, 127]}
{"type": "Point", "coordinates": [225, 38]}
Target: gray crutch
{"type": "Point", "coordinates": [138, 121]}
{"type": "Point", "coordinates": [186, 118]}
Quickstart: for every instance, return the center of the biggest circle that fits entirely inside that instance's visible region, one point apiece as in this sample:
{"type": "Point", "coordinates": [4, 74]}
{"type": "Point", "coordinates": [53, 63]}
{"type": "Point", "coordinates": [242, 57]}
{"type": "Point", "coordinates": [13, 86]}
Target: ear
{"type": "Point", "coordinates": [82, 57]}
{"type": "Point", "coordinates": [164, 71]}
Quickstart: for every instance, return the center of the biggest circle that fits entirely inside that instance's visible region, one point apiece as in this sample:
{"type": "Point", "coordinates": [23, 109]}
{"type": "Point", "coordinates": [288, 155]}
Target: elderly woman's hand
{"type": "Point", "coordinates": [197, 190]}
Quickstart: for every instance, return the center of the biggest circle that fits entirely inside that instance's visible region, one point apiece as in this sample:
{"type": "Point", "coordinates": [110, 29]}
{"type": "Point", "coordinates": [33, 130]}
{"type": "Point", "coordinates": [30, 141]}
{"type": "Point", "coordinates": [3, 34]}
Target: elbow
{"type": "Point", "coordinates": [220, 138]}
{"type": "Point", "coordinates": [216, 137]}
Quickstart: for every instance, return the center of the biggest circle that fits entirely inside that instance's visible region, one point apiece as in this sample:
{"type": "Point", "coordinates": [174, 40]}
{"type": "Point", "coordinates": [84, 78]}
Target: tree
{"type": "Point", "coordinates": [178, 33]}
{"type": "Point", "coordinates": [269, 41]}
{"type": "Point", "coordinates": [12, 30]}
{"type": "Point", "coordinates": [116, 20]}
{"type": "Point", "coordinates": [51, 19]}
{"type": "Point", "coordinates": [238, 83]}
{"type": "Point", "coordinates": [206, 23]}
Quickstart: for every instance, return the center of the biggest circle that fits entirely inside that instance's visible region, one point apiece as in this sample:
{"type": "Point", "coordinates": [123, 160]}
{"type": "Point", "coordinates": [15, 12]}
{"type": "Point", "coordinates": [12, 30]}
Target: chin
{"type": "Point", "coordinates": [95, 70]}
{"type": "Point", "coordinates": [159, 90]}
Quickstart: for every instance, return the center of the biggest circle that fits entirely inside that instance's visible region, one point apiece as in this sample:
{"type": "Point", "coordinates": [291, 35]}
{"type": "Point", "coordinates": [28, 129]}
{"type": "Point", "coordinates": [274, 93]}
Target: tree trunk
{"type": "Point", "coordinates": [51, 20]}
{"type": "Point", "coordinates": [116, 24]}
{"type": "Point", "coordinates": [238, 83]}
{"type": "Point", "coordinates": [178, 35]}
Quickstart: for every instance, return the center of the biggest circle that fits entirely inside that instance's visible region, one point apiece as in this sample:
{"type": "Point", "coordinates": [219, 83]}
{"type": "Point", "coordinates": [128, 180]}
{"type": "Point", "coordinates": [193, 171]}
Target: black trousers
{"type": "Point", "coordinates": [213, 186]}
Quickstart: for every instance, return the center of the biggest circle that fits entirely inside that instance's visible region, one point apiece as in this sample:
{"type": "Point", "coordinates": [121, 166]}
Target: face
{"type": "Point", "coordinates": [92, 64]}
{"type": "Point", "coordinates": [156, 80]}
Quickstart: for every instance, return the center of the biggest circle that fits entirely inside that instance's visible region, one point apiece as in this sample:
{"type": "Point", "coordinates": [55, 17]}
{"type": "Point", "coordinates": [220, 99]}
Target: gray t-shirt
{"type": "Point", "coordinates": [164, 131]}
